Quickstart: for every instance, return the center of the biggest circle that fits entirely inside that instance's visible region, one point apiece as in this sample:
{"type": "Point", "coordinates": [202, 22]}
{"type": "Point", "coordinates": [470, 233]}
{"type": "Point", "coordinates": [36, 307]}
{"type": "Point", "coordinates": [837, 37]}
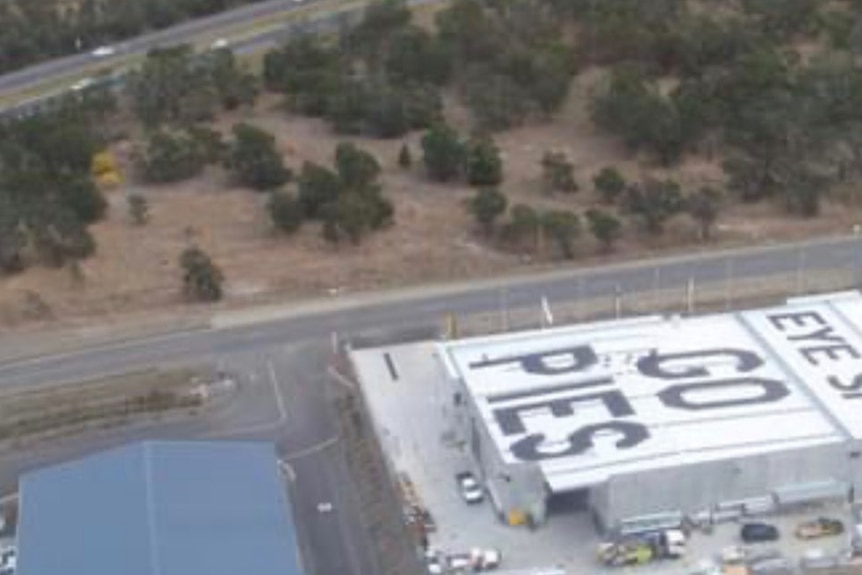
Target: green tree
{"type": "Point", "coordinates": [484, 164]}
{"type": "Point", "coordinates": [443, 153]}
{"type": "Point", "coordinates": [558, 173]}
{"type": "Point", "coordinates": [405, 158]}
{"type": "Point", "coordinates": [563, 227]}
{"type": "Point", "coordinates": [81, 195]}
{"type": "Point", "coordinates": [356, 168]}
{"type": "Point", "coordinates": [169, 87]}
{"type": "Point", "coordinates": [385, 111]}
{"type": "Point", "coordinates": [496, 102]}
{"type": "Point", "coordinates": [254, 159]}
{"type": "Point", "coordinates": [380, 21]}
{"type": "Point", "coordinates": [414, 55]}
{"type": "Point", "coordinates": [350, 216]}
{"type": "Point", "coordinates": [235, 87]}
{"type": "Point", "coordinates": [139, 209]}
{"type": "Point", "coordinates": [58, 235]}
{"type": "Point", "coordinates": [209, 142]}
{"type": "Point", "coordinates": [285, 211]}
{"type": "Point", "coordinates": [12, 238]}
{"type": "Point", "coordinates": [524, 223]}
{"type": "Point", "coordinates": [610, 184]}
{"type": "Point", "coordinates": [605, 227]}
{"type": "Point", "coordinates": [318, 187]}
{"type": "Point", "coordinates": [486, 206]}
{"type": "Point", "coordinates": [170, 157]}
{"type": "Point", "coordinates": [202, 279]}
{"type": "Point", "coordinates": [655, 202]}
{"type": "Point", "coordinates": [704, 206]}
{"type": "Point", "coordinates": [347, 105]}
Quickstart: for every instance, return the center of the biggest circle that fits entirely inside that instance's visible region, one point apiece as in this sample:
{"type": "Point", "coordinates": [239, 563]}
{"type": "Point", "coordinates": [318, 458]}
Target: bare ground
{"type": "Point", "coordinates": [433, 240]}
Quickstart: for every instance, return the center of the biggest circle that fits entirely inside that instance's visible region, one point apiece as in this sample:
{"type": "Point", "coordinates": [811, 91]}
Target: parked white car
{"type": "Point", "coordinates": [469, 486]}
{"type": "Point", "coordinates": [8, 560]}
{"type": "Point", "coordinates": [485, 559]}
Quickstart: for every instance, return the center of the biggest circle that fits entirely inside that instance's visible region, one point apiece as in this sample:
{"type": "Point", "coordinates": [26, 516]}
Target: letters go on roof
{"type": "Point", "coordinates": [590, 401]}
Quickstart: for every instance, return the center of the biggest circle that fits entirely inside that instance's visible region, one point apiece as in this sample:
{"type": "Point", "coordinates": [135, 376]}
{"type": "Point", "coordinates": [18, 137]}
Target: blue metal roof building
{"type": "Point", "coordinates": [159, 508]}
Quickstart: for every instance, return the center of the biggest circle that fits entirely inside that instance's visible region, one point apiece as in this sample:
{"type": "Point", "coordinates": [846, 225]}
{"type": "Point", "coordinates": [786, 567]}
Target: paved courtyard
{"type": "Point", "coordinates": [410, 401]}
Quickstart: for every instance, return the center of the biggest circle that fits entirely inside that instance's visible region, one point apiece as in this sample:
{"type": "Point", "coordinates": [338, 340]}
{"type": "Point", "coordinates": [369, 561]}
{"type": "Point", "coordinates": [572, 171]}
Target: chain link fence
{"type": "Point", "coordinates": [684, 298]}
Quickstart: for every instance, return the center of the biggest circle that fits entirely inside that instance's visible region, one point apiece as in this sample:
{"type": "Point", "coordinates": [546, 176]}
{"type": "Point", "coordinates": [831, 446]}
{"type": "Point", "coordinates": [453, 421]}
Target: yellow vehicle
{"type": "Point", "coordinates": [820, 527]}
{"type": "Point", "coordinates": [619, 554]}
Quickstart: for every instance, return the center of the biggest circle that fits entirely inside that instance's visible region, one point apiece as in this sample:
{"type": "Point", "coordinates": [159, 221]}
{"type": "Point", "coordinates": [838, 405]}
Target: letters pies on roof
{"type": "Point", "coordinates": [595, 400]}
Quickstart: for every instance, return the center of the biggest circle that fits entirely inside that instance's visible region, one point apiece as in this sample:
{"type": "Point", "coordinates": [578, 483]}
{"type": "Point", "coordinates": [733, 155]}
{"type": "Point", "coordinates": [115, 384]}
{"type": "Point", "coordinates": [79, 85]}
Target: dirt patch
{"type": "Point", "coordinates": [433, 239]}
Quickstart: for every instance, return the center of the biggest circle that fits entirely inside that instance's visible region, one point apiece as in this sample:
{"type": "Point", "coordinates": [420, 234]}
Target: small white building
{"type": "Point", "coordinates": [653, 417]}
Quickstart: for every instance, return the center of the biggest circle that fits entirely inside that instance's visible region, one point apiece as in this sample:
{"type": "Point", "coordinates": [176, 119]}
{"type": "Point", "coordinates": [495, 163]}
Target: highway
{"type": "Point", "coordinates": [280, 364]}
{"type": "Point", "coordinates": [181, 33]}
{"type": "Point", "coordinates": [254, 22]}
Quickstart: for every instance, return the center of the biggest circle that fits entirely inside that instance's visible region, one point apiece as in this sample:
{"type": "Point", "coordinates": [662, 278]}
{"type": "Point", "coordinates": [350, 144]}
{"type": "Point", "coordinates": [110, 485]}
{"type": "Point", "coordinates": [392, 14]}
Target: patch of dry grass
{"type": "Point", "coordinates": [433, 239]}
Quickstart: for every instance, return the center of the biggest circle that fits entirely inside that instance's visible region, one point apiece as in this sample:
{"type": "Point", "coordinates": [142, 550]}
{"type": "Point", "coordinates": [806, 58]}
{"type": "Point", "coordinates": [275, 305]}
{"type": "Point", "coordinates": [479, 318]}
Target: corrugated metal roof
{"type": "Point", "coordinates": [159, 508]}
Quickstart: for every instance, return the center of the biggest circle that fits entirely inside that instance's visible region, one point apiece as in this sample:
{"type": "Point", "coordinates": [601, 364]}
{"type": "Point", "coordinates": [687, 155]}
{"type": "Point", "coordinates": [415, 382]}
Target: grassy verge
{"type": "Point", "coordinates": [60, 410]}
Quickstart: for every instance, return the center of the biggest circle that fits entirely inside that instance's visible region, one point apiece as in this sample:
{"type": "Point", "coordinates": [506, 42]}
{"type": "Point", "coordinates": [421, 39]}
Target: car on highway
{"type": "Point", "coordinates": [82, 84]}
{"type": "Point", "coordinates": [103, 51]}
{"type": "Point", "coordinates": [820, 527]}
{"type": "Point", "coordinates": [220, 44]}
{"type": "Point", "coordinates": [468, 485]}
{"type": "Point", "coordinates": [757, 532]}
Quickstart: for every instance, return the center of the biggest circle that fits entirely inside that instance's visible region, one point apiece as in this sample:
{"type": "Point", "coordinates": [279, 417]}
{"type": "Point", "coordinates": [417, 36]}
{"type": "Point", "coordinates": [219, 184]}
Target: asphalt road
{"type": "Point", "coordinates": [280, 365]}
{"type": "Point", "coordinates": [429, 309]}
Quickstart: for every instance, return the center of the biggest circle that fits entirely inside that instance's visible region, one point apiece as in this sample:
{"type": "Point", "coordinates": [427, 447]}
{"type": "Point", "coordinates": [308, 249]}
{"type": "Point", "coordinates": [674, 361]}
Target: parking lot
{"type": "Point", "coordinates": [408, 398]}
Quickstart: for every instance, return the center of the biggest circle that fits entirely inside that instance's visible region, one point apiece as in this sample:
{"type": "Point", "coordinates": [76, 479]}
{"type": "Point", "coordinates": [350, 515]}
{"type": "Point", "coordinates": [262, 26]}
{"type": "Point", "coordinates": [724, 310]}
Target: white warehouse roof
{"type": "Point", "coordinates": [590, 401]}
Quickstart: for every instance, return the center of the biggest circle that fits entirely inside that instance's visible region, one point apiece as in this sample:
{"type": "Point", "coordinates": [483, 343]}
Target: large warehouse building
{"type": "Point", "coordinates": [655, 417]}
{"type": "Point", "coordinates": [159, 508]}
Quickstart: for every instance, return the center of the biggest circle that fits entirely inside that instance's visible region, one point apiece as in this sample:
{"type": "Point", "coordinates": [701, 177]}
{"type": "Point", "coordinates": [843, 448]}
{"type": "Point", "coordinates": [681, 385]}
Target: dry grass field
{"type": "Point", "coordinates": [433, 239]}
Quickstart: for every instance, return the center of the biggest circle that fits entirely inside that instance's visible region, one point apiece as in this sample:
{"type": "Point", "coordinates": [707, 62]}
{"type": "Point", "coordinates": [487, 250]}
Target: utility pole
{"type": "Point", "coordinates": [689, 296]}
{"type": "Point", "coordinates": [504, 308]}
{"type": "Point", "coordinates": [800, 272]}
{"type": "Point", "coordinates": [728, 283]}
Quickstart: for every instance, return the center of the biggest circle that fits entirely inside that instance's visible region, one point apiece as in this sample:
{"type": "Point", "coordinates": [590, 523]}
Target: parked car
{"type": "Point", "coordinates": [820, 527]}
{"type": "Point", "coordinates": [756, 532]}
{"type": "Point", "coordinates": [469, 486]}
{"type": "Point", "coordinates": [628, 552]}
{"type": "Point", "coordinates": [459, 562]}
{"type": "Point", "coordinates": [485, 559]}
{"type": "Point", "coordinates": [8, 560]}
{"type": "Point", "coordinates": [666, 544]}
{"type": "Point", "coordinates": [434, 562]}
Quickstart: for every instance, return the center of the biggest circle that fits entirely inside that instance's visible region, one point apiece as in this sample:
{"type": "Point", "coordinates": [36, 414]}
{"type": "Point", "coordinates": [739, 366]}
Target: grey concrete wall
{"type": "Point", "coordinates": [512, 488]}
{"type": "Point", "coordinates": [697, 487]}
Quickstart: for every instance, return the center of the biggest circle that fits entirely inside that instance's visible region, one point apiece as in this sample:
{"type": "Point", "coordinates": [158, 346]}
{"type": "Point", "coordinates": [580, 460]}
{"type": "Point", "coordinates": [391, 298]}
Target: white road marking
{"type": "Point", "coordinates": [279, 399]}
{"type": "Point", "coordinates": [313, 449]}
{"type": "Point", "coordinates": [287, 469]}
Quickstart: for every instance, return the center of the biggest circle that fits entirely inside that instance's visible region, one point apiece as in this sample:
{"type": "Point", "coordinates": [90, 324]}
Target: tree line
{"type": "Point", "coordinates": [786, 125]}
